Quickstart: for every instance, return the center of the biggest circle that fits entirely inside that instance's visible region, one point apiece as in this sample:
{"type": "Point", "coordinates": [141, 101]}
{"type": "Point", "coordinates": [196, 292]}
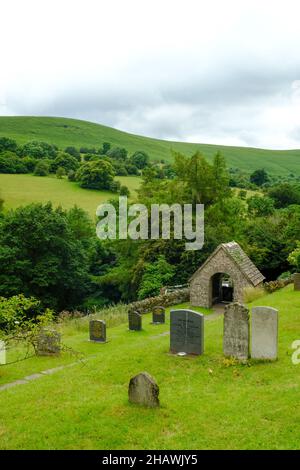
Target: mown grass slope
{"type": "Point", "coordinates": [206, 402]}
{"type": "Point", "coordinates": [18, 190]}
{"type": "Point", "coordinates": [64, 132]}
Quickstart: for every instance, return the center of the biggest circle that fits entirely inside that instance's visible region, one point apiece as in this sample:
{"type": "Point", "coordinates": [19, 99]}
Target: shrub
{"type": "Point", "coordinates": [41, 169]}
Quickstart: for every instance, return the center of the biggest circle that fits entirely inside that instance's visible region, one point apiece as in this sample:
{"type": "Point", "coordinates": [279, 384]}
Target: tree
{"type": "Point", "coordinates": [285, 194]}
{"type": "Point", "coordinates": [37, 149]}
{"type": "Point", "coordinates": [105, 148]}
{"type": "Point", "coordinates": [71, 175]}
{"type": "Point", "coordinates": [117, 153]}
{"type": "Point", "coordinates": [259, 177]}
{"type": "Point", "coordinates": [42, 168]}
{"type": "Point", "coordinates": [140, 159]}
{"type": "Point", "coordinates": [124, 191]}
{"type": "Point", "coordinates": [8, 144]}
{"type": "Point", "coordinates": [73, 152]}
{"type": "Point", "coordinates": [156, 275]}
{"type": "Point", "coordinates": [10, 163]}
{"type": "Point", "coordinates": [60, 172]}
{"type": "Point", "coordinates": [95, 175]}
{"type": "Point", "coordinates": [294, 257]}
{"type": "Point", "coordinates": [260, 206]}
{"type": "Point", "coordinates": [65, 161]}
{"type": "Point", "coordinates": [220, 177]}
{"type": "Point", "coordinates": [45, 253]}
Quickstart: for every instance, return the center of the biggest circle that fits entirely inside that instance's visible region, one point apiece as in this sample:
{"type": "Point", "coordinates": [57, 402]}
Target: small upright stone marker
{"type": "Point", "coordinates": [264, 344]}
{"type": "Point", "coordinates": [2, 353]}
{"type": "Point", "coordinates": [186, 332]}
{"type": "Point", "coordinates": [143, 390]}
{"type": "Point", "coordinates": [297, 281]}
{"type": "Point", "coordinates": [135, 321]}
{"type": "Point", "coordinates": [158, 315]}
{"type": "Point", "coordinates": [98, 331]}
{"type": "Point", "coordinates": [48, 342]}
{"type": "Point", "coordinates": [236, 331]}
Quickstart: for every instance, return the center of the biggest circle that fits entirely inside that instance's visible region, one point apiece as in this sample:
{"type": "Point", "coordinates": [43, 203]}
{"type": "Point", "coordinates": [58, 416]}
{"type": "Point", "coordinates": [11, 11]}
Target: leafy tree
{"type": "Point", "coordinates": [73, 152]}
{"type": "Point", "coordinates": [45, 252]}
{"type": "Point", "coordinates": [131, 169]}
{"type": "Point", "coordinates": [294, 257]}
{"type": "Point", "coordinates": [259, 177]}
{"type": "Point", "coordinates": [117, 153]}
{"type": "Point", "coordinates": [60, 172]}
{"type": "Point", "coordinates": [105, 148]}
{"type": "Point", "coordinates": [39, 150]}
{"type": "Point", "coordinates": [140, 159]}
{"type": "Point", "coordinates": [7, 144]}
{"type": "Point", "coordinates": [10, 163]}
{"type": "Point", "coordinates": [71, 175]}
{"type": "Point", "coordinates": [65, 161]}
{"type": "Point", "coordinates": [41, 168]}
{"type": "Point", "coordinates": [285, 194]}
{"type": "Point", "coordinates": [115, 186]}
{"type": "Point", "coordinates": [124, 191]}
{"type": "Point", "coordinates": [220, 177]}
{"type": "Point", "coordinates": [95, 175]}
{"type": "Point", "coordinates": [156, 275]}
{"type": "Point", "coordinates": [260, 206]}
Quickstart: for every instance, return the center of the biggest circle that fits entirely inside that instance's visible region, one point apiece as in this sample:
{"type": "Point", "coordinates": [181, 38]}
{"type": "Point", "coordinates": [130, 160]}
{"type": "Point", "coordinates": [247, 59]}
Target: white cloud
{"type": "Point", "coordinates": [215, 72]}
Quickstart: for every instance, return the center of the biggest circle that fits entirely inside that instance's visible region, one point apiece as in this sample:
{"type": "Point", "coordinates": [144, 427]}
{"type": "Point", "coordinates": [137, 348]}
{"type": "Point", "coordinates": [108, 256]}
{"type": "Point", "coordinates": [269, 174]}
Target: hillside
{"type": "Point", "coordinates": [64, 132]}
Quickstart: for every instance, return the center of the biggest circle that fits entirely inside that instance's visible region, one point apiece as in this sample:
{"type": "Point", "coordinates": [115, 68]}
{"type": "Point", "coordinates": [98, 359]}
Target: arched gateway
{"type": "Point", "coordinates": [223, 277]}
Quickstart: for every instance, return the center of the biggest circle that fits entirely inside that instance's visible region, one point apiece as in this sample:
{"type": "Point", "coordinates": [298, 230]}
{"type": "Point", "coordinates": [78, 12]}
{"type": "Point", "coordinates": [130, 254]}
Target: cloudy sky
{"type": "Point", "coordinates": [211, 71]}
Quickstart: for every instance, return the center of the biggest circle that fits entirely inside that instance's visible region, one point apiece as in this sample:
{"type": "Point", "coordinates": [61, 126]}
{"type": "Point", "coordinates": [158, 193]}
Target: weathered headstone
{"type": "Point", "coordinates": [134, 320]}
{"type": "Point", "coordinates": [48, 342]}
{"type": "Point", "coordinates": [158, 315]}
{"type": "Point", "coordinates": [297, 281]}
{"type": "Point", "coordinates": [236, 331]}
{"type": "Point", "coordinates": [143, 390]}
{"type": "Point", "coordinates": [2, 353]}
{"type": "Point", "coordinates": [264, 343]}
{"type": "Point", "coordinates": [98, 331]}
{"type": "Point", "coordinates": [186, 332]}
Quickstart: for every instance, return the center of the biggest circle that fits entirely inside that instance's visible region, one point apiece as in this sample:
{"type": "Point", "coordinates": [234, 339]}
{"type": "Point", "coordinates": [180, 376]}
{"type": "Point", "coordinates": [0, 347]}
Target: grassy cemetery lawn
{"type": "Point", "coordinates": [20, 190]}
{"type": "Point", "coordinates": [207, 402]}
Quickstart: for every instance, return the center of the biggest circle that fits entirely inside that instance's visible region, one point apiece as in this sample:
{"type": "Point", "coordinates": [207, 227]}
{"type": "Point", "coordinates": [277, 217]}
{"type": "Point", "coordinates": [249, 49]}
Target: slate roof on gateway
{"type": "Point", "coordinates": [243, 262]}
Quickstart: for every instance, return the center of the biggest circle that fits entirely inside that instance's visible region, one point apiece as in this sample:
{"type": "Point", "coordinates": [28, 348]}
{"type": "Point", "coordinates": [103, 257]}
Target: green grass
{"type": "Point", "coordinates": [63, 132]}
{"type": "Point", "coordinates": [17, 190]}
{"type": "Point", "coordinates": [205, 403]}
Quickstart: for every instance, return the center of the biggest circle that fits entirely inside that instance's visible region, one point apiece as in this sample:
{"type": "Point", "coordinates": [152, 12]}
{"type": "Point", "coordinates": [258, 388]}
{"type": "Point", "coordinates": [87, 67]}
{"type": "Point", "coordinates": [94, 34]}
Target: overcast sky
{"type": "Point", "coordinates": [214, 71]}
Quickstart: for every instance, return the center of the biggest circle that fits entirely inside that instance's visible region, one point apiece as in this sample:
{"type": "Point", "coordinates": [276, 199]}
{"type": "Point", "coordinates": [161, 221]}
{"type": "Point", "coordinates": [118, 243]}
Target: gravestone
{"type": "Point", "coordinates": [297, 281]}
{"type": "Point", "coordinates": [236, 331]}
{"type": "Point", "coordinates": [186, 332]}
{"type": "Point", "coordinates": [158, 315]}
{"type": "Point", "coordinates": [48, 342]}
{"type": "Point", "coordinates": [264, 343]}
{"type": "Point", "coordinates": [98, 331]}
{"type": "Point", "coordinates": [134, 320]}
{"type": "Point", "coordinates": [2, 353]}
{"type": "Point", "coordinates": [143, 390]}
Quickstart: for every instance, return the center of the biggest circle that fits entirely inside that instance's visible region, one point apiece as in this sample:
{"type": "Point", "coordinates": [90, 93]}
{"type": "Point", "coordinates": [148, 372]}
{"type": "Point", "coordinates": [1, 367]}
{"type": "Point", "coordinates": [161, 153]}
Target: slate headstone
{"type": "Point", "coordinates": [186, 332]}
{"type": "Point", "coordinates": [134, 320]}
{"type": "Point", "coordinates": [236, 331]}
{"type": "Point", "coordinates": [264, 342]}
{"type": "Point", "coordinates": [297, 281]}
{"type": "Point", "coordinates": [98, 331]}
{"type": "Point", "coordinates": [158, 315]}
{"type": "Point", "coordinates": [143, 390]}
{"type": "Point", "coordinates": [48, 342]}
{"type": "Point", "coordinates": [2, 353]}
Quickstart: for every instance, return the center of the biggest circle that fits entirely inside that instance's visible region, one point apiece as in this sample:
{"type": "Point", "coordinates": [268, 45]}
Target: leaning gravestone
{"type": "Point", "coordinates": [297, 281]}
{"type": "Point", "coordinates": [48, 342]}
{"type": "Point", "coordinates": [134, 320]}
{"type": "Point", "coordinates": [236, 331]}
{"type": "Point", "coordinates": [2, 353]}
{"type": "Point", "coordinates": [143, 390]}
{"type": "Point", "coordinates": [158, 315]}
{"type": "Point", "coordinates": [98, 331]}
{"type": "Point", "coordinates": [186, 332]}
{"type": "Point", "coordinates": [264, 344]}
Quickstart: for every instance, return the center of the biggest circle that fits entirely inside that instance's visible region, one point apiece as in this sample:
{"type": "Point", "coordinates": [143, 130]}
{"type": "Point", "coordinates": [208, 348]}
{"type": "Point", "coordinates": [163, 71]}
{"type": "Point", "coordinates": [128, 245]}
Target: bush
{"type": "Point", "coordinates": [10, 163]}
{"type": "Point", "coordinates": [71, 175]}
{"type": "Point", "coordinates": [41, 169]}
{"type": "Point", "coordinates": [38, 150]}
{"type": "Point", "coordinates": [66, 161]}
{"type": "Point", "coordinates": [17, 309]}
{"type": "Point", "coordinates": [60, 172]}
{"type": "Point", "coordinates": [124, 191]}
{"type": "Point", "coordinates": [73, 152]}
{"type": "Point", "coordinates": [95, 175]}
{"type": "Point", "coordinates": [7, 144]}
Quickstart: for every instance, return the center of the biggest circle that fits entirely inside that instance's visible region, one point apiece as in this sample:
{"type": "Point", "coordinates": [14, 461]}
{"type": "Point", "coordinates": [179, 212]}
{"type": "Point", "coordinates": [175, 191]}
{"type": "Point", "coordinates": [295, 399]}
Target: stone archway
{"type": "Point", "coordinates": [221, 288]}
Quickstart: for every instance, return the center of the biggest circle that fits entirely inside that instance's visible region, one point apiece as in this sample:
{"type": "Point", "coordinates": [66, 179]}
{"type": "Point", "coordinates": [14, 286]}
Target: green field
{"type": "Point", "coordinates": [63, 132]}
{"type": "Point", "coordinates": [206, 402]}
{"type": "Point", "coordinates": [17, 190]}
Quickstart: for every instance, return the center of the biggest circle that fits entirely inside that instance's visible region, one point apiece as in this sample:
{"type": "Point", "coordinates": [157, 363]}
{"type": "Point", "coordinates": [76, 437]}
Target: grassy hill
{"type": "Point", "coordinates": [206, 402]}
{"type": "Point", "coordinates": [18, 190]}
{"type": "Point", "coordinates": [64, 132]}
